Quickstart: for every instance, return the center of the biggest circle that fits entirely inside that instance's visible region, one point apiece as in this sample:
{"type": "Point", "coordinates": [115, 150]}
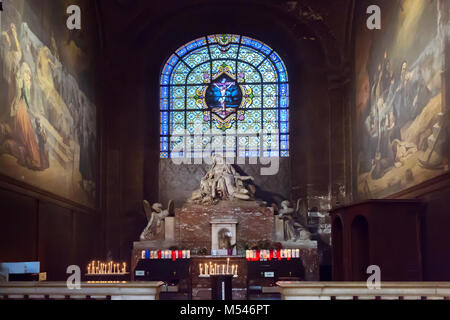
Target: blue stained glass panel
{"type": "Point", "coordinates": [177, 128]}
{"type": "Point", "coordinates": [270, 127]}
{"type": "Point", "coordinates": [164, 92]}
{"type": "Point", "coordinates": [194, 117]}
{"type": "Point", "coordinates": [197, 57]}
{"type": "Point", "coordinates": [219, 52]}
{"type": "Point", "coordinates": [164, 146]}
{"type": "Point", "coordinates": [284, 142]}
{"type": "Point", "coordinates": [168, 69]}
{"type": "Point", "coordinates": [270, 102]}
{"type": "Point", "coordinates": [265, 49]}
{"type": "Point", "coordinates": [252, 43]}
{"type": "Point", "coordinates": [250, 56]}
{"type": "Point", "coordinates": [177, 103]}
{"type": "Point", "coordinates": [164, 129]}
{"type": "Point", "coordinates": [284, 102]}
{"type": "Point", "coordinates": [173, 60]}
{"type": "Point", "coordinates": [268, 72]}
{"type": "Point", "coordinates": [284, 115]}
{"type": "Point", "coordinates": [256, 103]}
{"type": "Point", "coordinates": [249, 72]}
{"type": "Point", "coordinates": [165, 117]}
{"type": "Point", "coordinates": [165, 78]}
{"type": "Point", "coordinates": [270, 90]}
{"type": "Point", "coordinates": [177, 92]}
{"type": "Point", "coordinates": [191, 46]}
{"type": "Point", "coordinates": [164, 104]}
{"type": "Point", "coordinates": [284, 89]}
{"type": "Point", "coordinates": [270, 115]}
{"type": "Point", "coordinates": [275, 58]}
{"type": "Point", "coordinates": [182, 51]}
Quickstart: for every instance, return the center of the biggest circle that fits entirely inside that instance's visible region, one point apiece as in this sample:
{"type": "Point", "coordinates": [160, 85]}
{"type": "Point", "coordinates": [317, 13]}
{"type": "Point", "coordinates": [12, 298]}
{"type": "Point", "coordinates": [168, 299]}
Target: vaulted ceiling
{"type": "Point", "coordinates": [127, 20]}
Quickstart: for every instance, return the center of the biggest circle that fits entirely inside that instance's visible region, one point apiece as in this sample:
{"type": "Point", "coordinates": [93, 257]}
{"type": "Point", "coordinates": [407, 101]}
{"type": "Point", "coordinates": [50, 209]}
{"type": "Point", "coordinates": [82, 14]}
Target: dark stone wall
{"type": "Point", "coordinates": [435, 236]}
{"type": "Point", "coordinates": [53, 234]}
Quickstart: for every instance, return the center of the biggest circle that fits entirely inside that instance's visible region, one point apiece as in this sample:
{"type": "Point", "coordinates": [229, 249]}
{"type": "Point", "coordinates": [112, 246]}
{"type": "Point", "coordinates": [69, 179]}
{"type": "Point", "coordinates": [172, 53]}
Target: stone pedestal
{"type": "Point", "coordinates": [196, 227]}
{"type": "Point", "coordinates": [253, 223]}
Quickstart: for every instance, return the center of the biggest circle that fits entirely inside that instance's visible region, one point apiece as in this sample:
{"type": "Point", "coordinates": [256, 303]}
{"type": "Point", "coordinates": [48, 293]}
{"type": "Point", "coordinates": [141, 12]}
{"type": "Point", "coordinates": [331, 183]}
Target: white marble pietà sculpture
{"type": "Point", "coordinates": [221, 182]}
{"type": "Point", "coordinates": [155, 216]}
{"type": "Point", "coordinates": [293, 230]}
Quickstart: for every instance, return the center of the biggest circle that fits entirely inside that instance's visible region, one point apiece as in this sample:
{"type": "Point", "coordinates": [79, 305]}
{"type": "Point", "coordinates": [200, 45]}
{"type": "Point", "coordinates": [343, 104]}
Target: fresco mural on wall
{"type": "Point", "coordinates": [47, 122]}
{"type": "Point", "coordinates": [401, 109]}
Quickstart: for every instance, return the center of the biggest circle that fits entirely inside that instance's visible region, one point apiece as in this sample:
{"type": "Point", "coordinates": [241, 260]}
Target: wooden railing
{"type": "Point", "coordinates": [359, 291]}
{"type": "Point", "coordinates": [94, 291]}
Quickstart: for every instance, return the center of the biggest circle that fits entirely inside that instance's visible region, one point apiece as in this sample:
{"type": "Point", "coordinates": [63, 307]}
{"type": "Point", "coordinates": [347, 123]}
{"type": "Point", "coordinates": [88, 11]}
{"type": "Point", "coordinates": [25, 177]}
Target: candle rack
{"type": "Point", "coordinates": [206, 270]}
{"type": "Point", "coordinates": [97, 267]}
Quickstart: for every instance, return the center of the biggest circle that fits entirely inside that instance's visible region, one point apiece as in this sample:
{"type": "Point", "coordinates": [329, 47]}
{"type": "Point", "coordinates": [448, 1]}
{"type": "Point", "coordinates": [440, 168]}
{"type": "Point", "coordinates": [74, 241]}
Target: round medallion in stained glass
{"type": "Point", "coordinates": [223, 96]}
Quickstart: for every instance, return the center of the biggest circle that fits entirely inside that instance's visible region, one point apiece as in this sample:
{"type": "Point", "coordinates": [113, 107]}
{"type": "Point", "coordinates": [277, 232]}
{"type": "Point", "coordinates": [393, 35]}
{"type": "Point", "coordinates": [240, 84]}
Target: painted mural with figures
{"type": "Point", "coordinates": [47, 118]}
{"type": "Point", "coordinates": [401, 88]}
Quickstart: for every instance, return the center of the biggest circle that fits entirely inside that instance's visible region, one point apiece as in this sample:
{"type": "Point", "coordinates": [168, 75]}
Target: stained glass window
{"type": "Point", "coordinates": [225, 93]}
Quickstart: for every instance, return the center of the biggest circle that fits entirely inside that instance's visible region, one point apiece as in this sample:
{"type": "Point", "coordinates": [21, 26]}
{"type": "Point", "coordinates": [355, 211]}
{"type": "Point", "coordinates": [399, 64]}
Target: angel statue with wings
{"type": "Point", "coordinates": [155, 216]}
{"type": "Point", "coordinates": [293, 230]}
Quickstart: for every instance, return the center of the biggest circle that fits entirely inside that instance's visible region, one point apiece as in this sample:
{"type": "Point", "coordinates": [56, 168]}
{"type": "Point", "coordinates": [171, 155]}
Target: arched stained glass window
{"type": "Point", "coordinates": [225, 93]}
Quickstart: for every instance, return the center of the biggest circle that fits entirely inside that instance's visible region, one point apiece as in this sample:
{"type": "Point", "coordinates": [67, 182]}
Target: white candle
{"type": "Point", "coordinates": [228, 265]}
